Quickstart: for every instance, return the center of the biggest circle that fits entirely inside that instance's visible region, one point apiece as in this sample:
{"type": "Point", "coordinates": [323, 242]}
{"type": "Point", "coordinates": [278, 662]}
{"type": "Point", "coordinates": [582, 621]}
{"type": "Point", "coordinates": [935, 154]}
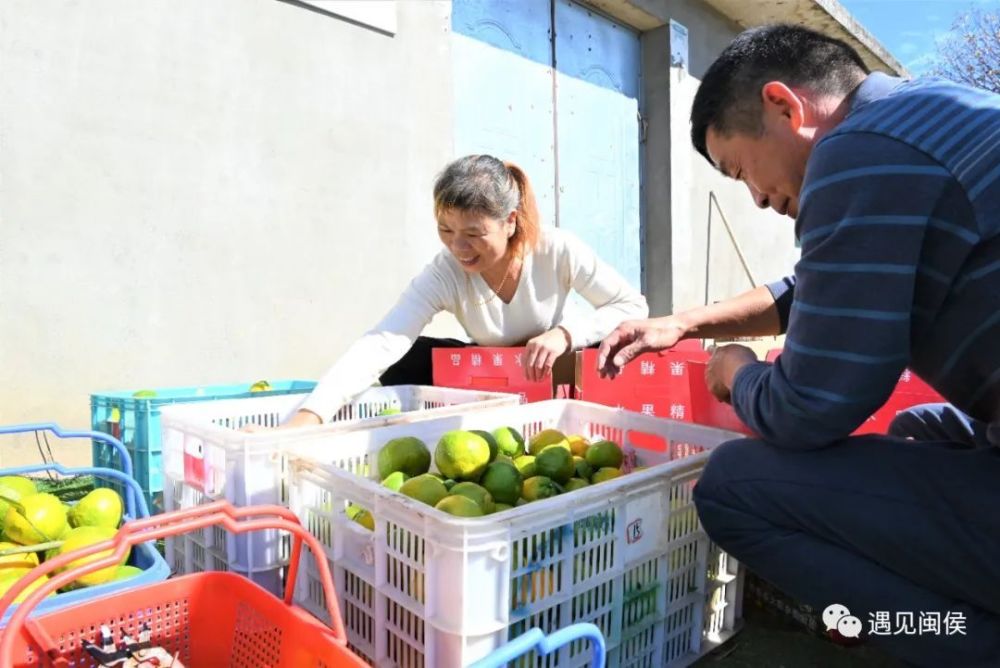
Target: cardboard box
{"type": "Point", "coordinates": [499, 369]}
{"type": "Point", "coordinates": [653, 383]}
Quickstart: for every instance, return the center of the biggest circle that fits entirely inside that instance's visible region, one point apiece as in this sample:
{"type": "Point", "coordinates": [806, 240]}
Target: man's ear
{"type": "Point", "coordinates": [779, 99]}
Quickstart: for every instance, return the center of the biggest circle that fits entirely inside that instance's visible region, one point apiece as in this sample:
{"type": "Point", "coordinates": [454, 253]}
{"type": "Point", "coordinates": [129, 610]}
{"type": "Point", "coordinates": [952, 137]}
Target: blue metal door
{"type": "Point", "coordinates": [502, 55]}
{"type": "Point", "coordinates": [573, 128]}
{"type": "Point", "coordinates": [597, 141]}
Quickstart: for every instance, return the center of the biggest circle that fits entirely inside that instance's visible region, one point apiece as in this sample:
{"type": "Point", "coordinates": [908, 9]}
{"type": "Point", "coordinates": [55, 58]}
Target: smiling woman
{"type": "Point", "coordinates": [506, 279]}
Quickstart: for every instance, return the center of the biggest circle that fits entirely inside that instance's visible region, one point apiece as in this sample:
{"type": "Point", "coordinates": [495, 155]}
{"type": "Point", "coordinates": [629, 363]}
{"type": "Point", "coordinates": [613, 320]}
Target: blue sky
{"type": "Point", "coordinates": [909, 28]}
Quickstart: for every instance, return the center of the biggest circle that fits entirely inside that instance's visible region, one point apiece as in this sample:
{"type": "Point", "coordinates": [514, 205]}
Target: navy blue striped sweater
{"type": "Point", "coordinates": [899, 222]}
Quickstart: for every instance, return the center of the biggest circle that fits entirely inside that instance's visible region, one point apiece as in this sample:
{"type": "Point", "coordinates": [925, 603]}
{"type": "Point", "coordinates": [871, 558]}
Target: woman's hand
{"type": "Point", "coordinates": [541, 353]}
{"type": "Point", "coordinates": [300, 419]}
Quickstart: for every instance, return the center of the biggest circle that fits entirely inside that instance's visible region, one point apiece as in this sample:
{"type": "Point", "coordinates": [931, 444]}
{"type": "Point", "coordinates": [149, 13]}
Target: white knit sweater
{"type": "Point", "coordinates": [559, 264]}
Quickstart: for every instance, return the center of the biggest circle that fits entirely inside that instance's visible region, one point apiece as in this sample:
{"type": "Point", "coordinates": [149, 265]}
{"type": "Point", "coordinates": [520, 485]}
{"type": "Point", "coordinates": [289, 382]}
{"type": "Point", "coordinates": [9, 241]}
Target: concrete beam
{"type": "Point", "coordinates": [827, 16]}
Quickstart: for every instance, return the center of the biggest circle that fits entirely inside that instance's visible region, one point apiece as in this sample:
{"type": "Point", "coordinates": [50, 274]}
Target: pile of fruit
{"type": "Point", "coordinates": [481, 473]}
{"type": "Point", "coordinates": [35, 526]}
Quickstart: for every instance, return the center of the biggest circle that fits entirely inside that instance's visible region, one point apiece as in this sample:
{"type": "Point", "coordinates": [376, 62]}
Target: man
{"type": "Point", "coordinates": [895, 190]}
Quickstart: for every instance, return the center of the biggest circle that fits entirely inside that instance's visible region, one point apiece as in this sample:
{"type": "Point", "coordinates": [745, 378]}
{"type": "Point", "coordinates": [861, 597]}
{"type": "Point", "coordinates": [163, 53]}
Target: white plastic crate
{"type": "Point", "coordinates": [429, 590]}
{"type": "Point", "coordinates": [206, 457]}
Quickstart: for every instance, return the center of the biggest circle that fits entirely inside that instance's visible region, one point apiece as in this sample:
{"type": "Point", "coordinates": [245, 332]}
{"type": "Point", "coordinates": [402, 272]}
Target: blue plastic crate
{"type": "Point", "coordinates": [536, 640]}
{"type": "Point", "coordinates": [136, 422]}
{"type": "Point", "coordinates": [144, 556]}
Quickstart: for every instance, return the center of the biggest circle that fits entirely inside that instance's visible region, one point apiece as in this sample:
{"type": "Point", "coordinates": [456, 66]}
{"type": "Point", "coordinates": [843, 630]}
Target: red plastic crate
{"type": "Point", "coordinates": [488, 368]}
{"type": "Point", "coordinates": [653, 383]}
{"type": "Point", "coordinates": [709, 411]}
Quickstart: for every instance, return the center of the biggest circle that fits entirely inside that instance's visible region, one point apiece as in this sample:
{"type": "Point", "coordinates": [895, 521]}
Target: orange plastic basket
{"type": "Point", "coordinates": [205, 619]}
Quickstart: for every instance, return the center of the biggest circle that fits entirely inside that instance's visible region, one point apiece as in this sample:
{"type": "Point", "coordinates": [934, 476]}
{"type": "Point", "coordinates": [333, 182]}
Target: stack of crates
{"type": "Point", "coordinates": [133, 417]}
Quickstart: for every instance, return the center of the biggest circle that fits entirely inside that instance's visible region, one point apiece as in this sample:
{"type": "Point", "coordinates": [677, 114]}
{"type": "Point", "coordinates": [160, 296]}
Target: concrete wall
{"type": "Point", "coordinates": [196, 192]}
{"type": "Point", "coordinates": [685, 251]}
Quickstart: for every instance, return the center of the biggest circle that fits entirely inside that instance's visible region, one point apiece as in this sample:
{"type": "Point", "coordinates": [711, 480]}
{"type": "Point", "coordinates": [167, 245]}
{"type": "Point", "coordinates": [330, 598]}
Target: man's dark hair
{"type": "Point", "coordinates": [728, 99]}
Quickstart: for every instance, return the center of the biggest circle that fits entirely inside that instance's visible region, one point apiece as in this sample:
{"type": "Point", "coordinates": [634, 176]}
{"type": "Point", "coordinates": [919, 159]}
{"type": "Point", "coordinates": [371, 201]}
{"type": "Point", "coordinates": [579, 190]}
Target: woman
{"type": "Point", "coordinates": [506, 280]}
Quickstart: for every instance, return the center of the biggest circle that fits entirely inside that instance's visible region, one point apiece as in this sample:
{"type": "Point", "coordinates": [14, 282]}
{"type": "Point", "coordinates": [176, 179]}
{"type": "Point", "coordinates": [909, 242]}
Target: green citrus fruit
{"type": "Point", "coordinates": [526, 466]}
{"type": "Point", "coordinates": [583, 469]}
{"type": "Point", "coordinates": [538, 488]}
{"type": "Point", "coordinates": [604, 454]}
{"type": "Point", "coordinates": [477, 493]}
{"type": "Point", "coordinates": [503, 481]}
{"type": "Point", "coordinates": [406, 454]}
{"type": "Point", "coordinates": [395, 480]}
{"type": "Point", "coordinates": [509, 441]}
{"type": "Point", "coordinates": [555, 463]}
{"type": "Point", "coordinates": [125, 572]}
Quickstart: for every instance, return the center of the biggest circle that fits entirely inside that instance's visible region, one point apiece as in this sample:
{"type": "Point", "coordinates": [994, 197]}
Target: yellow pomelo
{"type": "Point", "coordinates": [545, 438]}
{"type": "Point", "coordinates": [424, 488]}
{"type": "Point", "coordinates": [461, 506]}
{"type": "Point", "coordinates": [578, 445]}
{"type": "Point", "coordinates": [462, 455]}
{"type": "Point", "coordinates": [14, 487]}
{"type": "Point", "coordinates": [43, 520]}
{"type": "Point", "coordinates": [100, 508]}
{"type": "Point", "coordinates": [606, 473]}
{"type": "Point", "coordinates": [80, 537]}
{"type": "Point", "coordinates": [7, 581]}
{"type": "Point", "coordinates": [490, 441]}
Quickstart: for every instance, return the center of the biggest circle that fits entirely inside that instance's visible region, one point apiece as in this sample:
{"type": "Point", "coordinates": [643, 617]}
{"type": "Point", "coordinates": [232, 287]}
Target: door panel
{"type": "Point", "coordinates": [502, 54]}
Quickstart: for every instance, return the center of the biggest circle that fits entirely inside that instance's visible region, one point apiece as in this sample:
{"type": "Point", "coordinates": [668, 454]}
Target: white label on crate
{"type": "Point", "coordinates": [368, 554]}
{"type": "Point", "coordinates": [643, 526]}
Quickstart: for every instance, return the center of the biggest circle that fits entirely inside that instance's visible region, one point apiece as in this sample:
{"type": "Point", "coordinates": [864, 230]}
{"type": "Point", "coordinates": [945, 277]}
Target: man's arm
{"type": "Point", "coordinates": [869, 205]}
{"type": "Point", "coordinates": [759, 312]}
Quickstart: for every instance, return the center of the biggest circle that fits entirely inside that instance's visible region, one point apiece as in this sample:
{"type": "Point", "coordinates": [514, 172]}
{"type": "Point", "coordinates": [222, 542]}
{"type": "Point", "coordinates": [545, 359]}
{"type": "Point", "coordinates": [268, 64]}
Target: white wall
{"type": "Point", "coordinates": [196, 192]}
{"type": "Point", "coordinates": [766, 239]}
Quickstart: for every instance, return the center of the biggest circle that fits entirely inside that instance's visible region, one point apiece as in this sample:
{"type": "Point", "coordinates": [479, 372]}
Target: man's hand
{"type": "Point", "coordinates": [634, 337]}
{"type": "Point", "coordinates": [541, 352]}
{"type": "Point", "coordinates": [722, 368]}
